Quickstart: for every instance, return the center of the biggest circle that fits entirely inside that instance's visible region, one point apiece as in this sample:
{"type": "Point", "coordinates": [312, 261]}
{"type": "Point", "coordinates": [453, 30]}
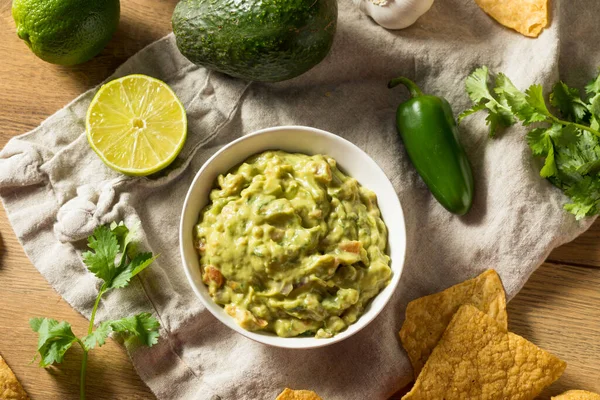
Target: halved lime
{"type": "Point", "coordinates": [136, 124]}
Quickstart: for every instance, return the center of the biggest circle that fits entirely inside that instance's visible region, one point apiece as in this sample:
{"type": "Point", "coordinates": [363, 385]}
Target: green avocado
{"type": "Point", "coordinates": [259, 40]}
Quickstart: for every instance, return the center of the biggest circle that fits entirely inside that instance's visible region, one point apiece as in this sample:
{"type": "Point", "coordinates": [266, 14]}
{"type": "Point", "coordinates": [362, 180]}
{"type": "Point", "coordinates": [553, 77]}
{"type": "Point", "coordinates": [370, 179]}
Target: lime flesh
{"type": "Point", "coordinates": [136, 124]}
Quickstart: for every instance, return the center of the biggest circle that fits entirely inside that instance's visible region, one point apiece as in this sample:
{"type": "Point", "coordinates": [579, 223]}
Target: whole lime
{"type": "Point", "coordinates": [66, 32]}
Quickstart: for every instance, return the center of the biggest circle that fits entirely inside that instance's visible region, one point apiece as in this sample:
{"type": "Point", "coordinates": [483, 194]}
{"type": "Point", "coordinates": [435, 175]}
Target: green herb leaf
{"type": "Point", "coordinates": [569, 103]}
{"type": "Point", "coordinates": [589, 168]}
{"type": "Point", "coordinates": [585, 197]}
{"type": "Point", "coordinates": [120, 231]}
{"type": "Point", "coordinates": [539, 141]}
{"type": "Point", "coordinates": [594, 123]}
{"type": "Point", "coordinates": [564, 135]}
{"type": "Point", "coordinates": [54, 339]}
{"type": "Point", "coordinates": [98, 336]}
{"type": "Point", "coordinates": [138, 329]}
{"type": "Point", "coordinates": [535, 98]}
{"type": "Point", "coordinates": [126, 238]}
{"type": "Point", "coordinates": [577, 156]}
{"type": "Point", "coordinates": [105, 246]}
{"type": "Point", "coordinates": [571, 148]}
{"type": "Point", "coordinates": [594, 110]}
{"type": "Point", "coordinates": [549, 169]}
{"type": "Point", "coordinates": [517, 101]}
{"type": "Point", "coordinates": [470, 111]}
{"type": "Point", "coordinates": [594, 86]}
{"type": "Point", "coordinates": [500, 114]}
{"type": "Point", "coordinates": [477, 85]}
{"type": "Point", "coordinates": [139, 263]}
{"type": "Point", "coordinates": [495, 121]}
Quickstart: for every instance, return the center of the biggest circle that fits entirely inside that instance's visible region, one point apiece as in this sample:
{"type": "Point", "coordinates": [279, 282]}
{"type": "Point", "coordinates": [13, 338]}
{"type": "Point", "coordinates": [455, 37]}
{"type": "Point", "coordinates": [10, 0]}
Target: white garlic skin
{"type": "Point", "coordinates": [394, 14]}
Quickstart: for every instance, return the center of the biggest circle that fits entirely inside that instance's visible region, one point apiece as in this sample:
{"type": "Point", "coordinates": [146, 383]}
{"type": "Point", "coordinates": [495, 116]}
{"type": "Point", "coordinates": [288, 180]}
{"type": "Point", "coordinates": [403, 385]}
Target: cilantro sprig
{"type": "Point", "coordinates": [569, 145]}
{"type": "Point", "coordinates": [114, 260]}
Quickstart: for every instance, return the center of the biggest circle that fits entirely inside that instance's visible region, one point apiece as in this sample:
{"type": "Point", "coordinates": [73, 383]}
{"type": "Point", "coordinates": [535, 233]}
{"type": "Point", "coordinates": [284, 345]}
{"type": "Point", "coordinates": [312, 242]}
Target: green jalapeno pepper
{"type": "Point", "coordinates": [428, 129]}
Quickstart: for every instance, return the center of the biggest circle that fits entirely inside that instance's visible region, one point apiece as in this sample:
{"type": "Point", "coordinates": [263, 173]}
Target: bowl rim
{"type": "Point", "coordinates": [283, 342]}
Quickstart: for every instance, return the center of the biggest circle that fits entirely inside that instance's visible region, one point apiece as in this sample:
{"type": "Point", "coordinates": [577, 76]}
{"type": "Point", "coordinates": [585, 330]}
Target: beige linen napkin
{"type": "Point", "coordinates": [56, 190]}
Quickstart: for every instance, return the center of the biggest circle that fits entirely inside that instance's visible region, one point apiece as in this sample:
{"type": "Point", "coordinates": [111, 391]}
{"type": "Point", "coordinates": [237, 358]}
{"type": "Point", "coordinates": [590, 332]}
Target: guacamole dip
{"type": "Point", "coordinates": [291, 245]}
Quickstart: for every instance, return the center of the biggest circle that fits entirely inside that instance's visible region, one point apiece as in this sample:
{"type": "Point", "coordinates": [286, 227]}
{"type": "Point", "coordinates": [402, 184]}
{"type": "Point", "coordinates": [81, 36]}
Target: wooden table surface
{"type": "Point", "coordinates": [559, 309]}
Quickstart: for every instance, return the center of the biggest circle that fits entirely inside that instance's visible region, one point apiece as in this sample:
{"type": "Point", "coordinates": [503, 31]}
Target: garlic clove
{"type": "Point", "coordinates": [394, 14]}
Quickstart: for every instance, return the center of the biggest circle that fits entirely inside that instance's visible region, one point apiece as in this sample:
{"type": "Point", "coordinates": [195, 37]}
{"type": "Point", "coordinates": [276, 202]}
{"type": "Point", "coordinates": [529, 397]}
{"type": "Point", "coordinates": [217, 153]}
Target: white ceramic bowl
{"type": "Point", "coordinates": [351, 160]}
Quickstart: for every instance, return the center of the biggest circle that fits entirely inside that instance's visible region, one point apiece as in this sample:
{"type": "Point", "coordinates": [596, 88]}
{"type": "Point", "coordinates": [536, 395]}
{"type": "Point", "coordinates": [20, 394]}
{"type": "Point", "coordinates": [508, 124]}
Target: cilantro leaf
{"type": "Point", "coordinates": [568, 101]}
{"type": "Point", "coordinates": [594, 86]}
{"type": "Point", "coordinates": [539, 142]}
{"type": "Point", "coordinates": [120, 231]}
{"type": "Point", "coordinates": [585, 197]}
{"type": "Point", "coordinates": [495, 121]}
{"type": "Point", "coordinates": [470, 111]}
{"type": "Point", "coordinates": [594, 123]}
{"type": "Point", "coordinates": [98, 336]}
{"type": "Point", "coordinates": [138, 329]}
{"type": "Point", "coordinates": [477, 85]}
{"type": "Point", "coordinates": [535, 98]}
{"type": "Point", "coordinates": [101, 262]}
{"type": "Point", "coordinates": [594, 110]}
{"type": "Point", "coordinates": [589, 168]}
{"type": "Point", "coordinates": [54, 339]}
{"type": "Point", "coordinates": [541, 139]}
{"type": "Point", "coordinates": [578, 156]}
{"type": "Point", "coordinates": [564, 135]}
{"type": "Point", "coordinates": [139, 263]}
{"type": "Point", "coordinates": [126, 238]}
{"type": "Point", "coordinates": [570, 147]}
{"type": "Point", "coordinates": [106, 244]}
{"type": "Point", "coordinates": [500, 114]}
{"type": "Point", "coordinates": [517, 101]}
{"type": "Point", "coordinates": [549, 169]}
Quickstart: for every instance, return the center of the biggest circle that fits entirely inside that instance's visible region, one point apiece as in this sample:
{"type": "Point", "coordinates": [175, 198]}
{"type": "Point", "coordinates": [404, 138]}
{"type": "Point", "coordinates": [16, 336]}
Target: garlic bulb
{"type": "Point", "coordinates": [394, 14]}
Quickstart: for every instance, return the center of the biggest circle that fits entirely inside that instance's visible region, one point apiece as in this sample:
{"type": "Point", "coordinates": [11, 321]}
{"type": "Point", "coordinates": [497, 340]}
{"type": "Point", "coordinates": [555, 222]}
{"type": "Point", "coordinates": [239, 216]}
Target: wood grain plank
{"type": "Point", "coordinates": [26, 294]}
{"type": "Point", "coordinates": [558, 310]}
{"type": "Point", "coordinates": [585, 250]}
{"type": "Point", "coordinates": [31, 89]}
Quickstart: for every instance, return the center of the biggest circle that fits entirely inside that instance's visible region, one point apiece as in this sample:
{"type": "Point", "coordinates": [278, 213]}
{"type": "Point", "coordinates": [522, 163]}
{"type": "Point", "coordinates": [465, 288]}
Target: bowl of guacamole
{"type": "Point", "coordinates": [293, 237]}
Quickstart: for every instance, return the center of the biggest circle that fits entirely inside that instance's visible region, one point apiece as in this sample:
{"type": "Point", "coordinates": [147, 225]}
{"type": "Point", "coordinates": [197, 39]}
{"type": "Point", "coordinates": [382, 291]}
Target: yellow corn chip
{"type": "Point", "coordinates": [10, 388]}
{"type": "Point", "coordinates": [477, 359]}
{"type": "Point", "coordinates": [527, 17]}
{"type": "Point", "coordinates": [428, 317]}
{"type": "Point", "coordinates": [577, 395]}
{"type": "Point", "coordinates": [289, 394]}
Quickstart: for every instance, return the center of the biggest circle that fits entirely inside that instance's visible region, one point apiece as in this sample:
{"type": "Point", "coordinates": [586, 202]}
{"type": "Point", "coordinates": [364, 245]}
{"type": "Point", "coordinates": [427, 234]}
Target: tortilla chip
{"type": "Point", "coordinates": [289, 394]}
{"type": "Point", "coordinates": [577, 395]}
{"type": "Point", "coordinates": [477, 359]}
{"type": "Point", "coordinates": [428, 317]}
{"type": "Point", "coordinates": [10, 388]}
{"type": "Point", "coordinates": [528, 17]}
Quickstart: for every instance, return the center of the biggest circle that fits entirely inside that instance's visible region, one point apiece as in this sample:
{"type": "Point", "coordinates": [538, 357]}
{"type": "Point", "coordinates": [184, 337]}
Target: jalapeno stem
{"type": "Point", "coordinates": [410, 85]}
